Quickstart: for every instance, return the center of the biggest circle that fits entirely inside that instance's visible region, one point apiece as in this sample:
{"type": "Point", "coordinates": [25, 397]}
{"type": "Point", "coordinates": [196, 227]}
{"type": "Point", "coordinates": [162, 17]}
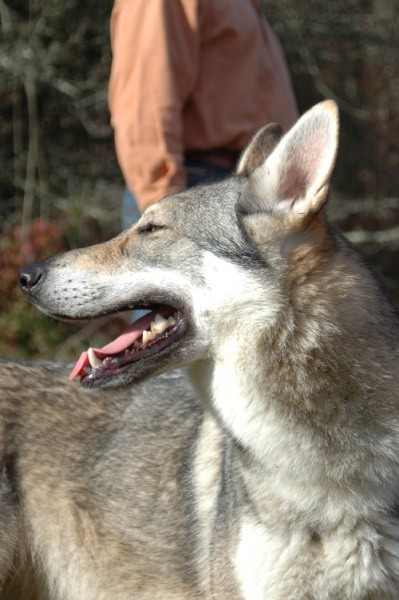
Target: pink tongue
{"type": "Point", "coordinates": [126, 339]}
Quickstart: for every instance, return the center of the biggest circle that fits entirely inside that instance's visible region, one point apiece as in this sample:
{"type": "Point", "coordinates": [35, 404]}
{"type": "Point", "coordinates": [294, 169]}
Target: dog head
{"type": "Point", "coordinates": [213, 262]}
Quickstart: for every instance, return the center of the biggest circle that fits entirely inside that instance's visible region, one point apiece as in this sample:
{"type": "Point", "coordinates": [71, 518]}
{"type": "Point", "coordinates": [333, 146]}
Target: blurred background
{"type": "Point", "coordinates": [61, 187]}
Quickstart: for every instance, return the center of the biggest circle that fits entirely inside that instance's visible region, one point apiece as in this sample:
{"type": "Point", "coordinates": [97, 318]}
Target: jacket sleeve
{"type": "Point", "coordinates": [155, 47]}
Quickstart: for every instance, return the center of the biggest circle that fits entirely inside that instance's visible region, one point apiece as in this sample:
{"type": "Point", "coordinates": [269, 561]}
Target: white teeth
{"type": "Point", "coordinates": [93, 359]}
{"type": "Point", "coordinates": [148, 336]}
{"type": "Point", "coordinates": [159, 324]}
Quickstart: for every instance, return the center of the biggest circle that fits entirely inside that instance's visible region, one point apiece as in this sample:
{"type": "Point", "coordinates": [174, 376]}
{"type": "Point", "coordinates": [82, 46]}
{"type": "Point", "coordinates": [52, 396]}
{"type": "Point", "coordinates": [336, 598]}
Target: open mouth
{"type": "Point", "coordinates": [147, 337]}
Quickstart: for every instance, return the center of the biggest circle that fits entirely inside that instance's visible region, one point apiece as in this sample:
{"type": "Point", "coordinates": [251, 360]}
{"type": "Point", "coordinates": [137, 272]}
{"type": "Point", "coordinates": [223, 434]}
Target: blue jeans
{"type": "Point", "coordinates": [130, 212]}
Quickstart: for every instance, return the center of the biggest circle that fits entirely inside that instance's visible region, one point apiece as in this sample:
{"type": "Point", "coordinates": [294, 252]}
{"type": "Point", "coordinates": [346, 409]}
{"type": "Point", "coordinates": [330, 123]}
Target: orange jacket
{"type": "Point", "coordinates": [190, 75]}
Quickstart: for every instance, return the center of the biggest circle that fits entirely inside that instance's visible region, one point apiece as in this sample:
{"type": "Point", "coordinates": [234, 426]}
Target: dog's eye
{"type": "Point", "coordinates": [150, 228]}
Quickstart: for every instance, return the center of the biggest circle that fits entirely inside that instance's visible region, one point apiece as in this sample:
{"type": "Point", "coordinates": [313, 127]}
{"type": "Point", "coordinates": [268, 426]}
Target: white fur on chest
{"type": "Point", "coordinates": [290, 458]}
{"type": "Point", "coordinates": [346, 564]}
{"type": "Point", "coordinates": [312, 538]}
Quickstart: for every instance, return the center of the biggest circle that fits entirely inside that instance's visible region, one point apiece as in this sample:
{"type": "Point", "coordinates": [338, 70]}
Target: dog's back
{"type": "Point", "coordinates": [93, 487]}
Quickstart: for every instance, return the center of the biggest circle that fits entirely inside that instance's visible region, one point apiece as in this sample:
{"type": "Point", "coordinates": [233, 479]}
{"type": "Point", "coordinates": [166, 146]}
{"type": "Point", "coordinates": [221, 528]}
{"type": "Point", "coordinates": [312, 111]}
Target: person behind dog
{"type": "Point", "coordinates": [191, 82]}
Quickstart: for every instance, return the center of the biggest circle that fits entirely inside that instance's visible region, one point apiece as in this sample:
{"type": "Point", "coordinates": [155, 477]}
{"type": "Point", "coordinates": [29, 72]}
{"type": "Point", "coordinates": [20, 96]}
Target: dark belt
{"type": "Point", "coordinates": [220, 157]}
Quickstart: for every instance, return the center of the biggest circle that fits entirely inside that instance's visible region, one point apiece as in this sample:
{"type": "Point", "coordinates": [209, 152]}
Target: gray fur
{"type": "Point", "coordinates": [270, 471]}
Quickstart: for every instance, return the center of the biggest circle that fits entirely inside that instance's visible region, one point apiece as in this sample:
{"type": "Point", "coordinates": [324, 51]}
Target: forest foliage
{"type": "Point", "coordinates": [60, 185]}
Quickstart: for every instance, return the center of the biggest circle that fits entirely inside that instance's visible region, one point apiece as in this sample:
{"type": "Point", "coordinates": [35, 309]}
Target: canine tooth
{"type": "Point", "coordinates": [172, 320]}
{"type": "Point", "coordinates": [159, 324]}
{"type": "Point", "coordinates": [93, 359]}
{"type": "Point", "coordinates": [147, 336]}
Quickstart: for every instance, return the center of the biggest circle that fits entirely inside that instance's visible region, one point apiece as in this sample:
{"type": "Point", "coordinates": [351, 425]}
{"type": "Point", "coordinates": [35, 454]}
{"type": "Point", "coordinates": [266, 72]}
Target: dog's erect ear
{"type": "Point", "coordinates": [259, 148]}
{"type": "Point", "coordinates": [294, 177]}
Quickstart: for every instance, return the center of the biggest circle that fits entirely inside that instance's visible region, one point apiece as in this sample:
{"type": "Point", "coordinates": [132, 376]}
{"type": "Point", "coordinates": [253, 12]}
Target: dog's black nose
{"type": "Point", "coordinates": [30, 277]}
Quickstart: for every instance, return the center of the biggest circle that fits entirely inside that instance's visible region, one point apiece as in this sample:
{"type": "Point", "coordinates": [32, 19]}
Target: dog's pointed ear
{"type": "Point", "coordinates": [260, 147]}
{"type": "Point", "coordinates": [295, 177]}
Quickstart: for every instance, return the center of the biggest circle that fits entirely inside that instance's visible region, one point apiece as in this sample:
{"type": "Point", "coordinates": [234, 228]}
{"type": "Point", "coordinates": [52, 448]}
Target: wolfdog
{"type": "Point", "coordinates": [269, 468]}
